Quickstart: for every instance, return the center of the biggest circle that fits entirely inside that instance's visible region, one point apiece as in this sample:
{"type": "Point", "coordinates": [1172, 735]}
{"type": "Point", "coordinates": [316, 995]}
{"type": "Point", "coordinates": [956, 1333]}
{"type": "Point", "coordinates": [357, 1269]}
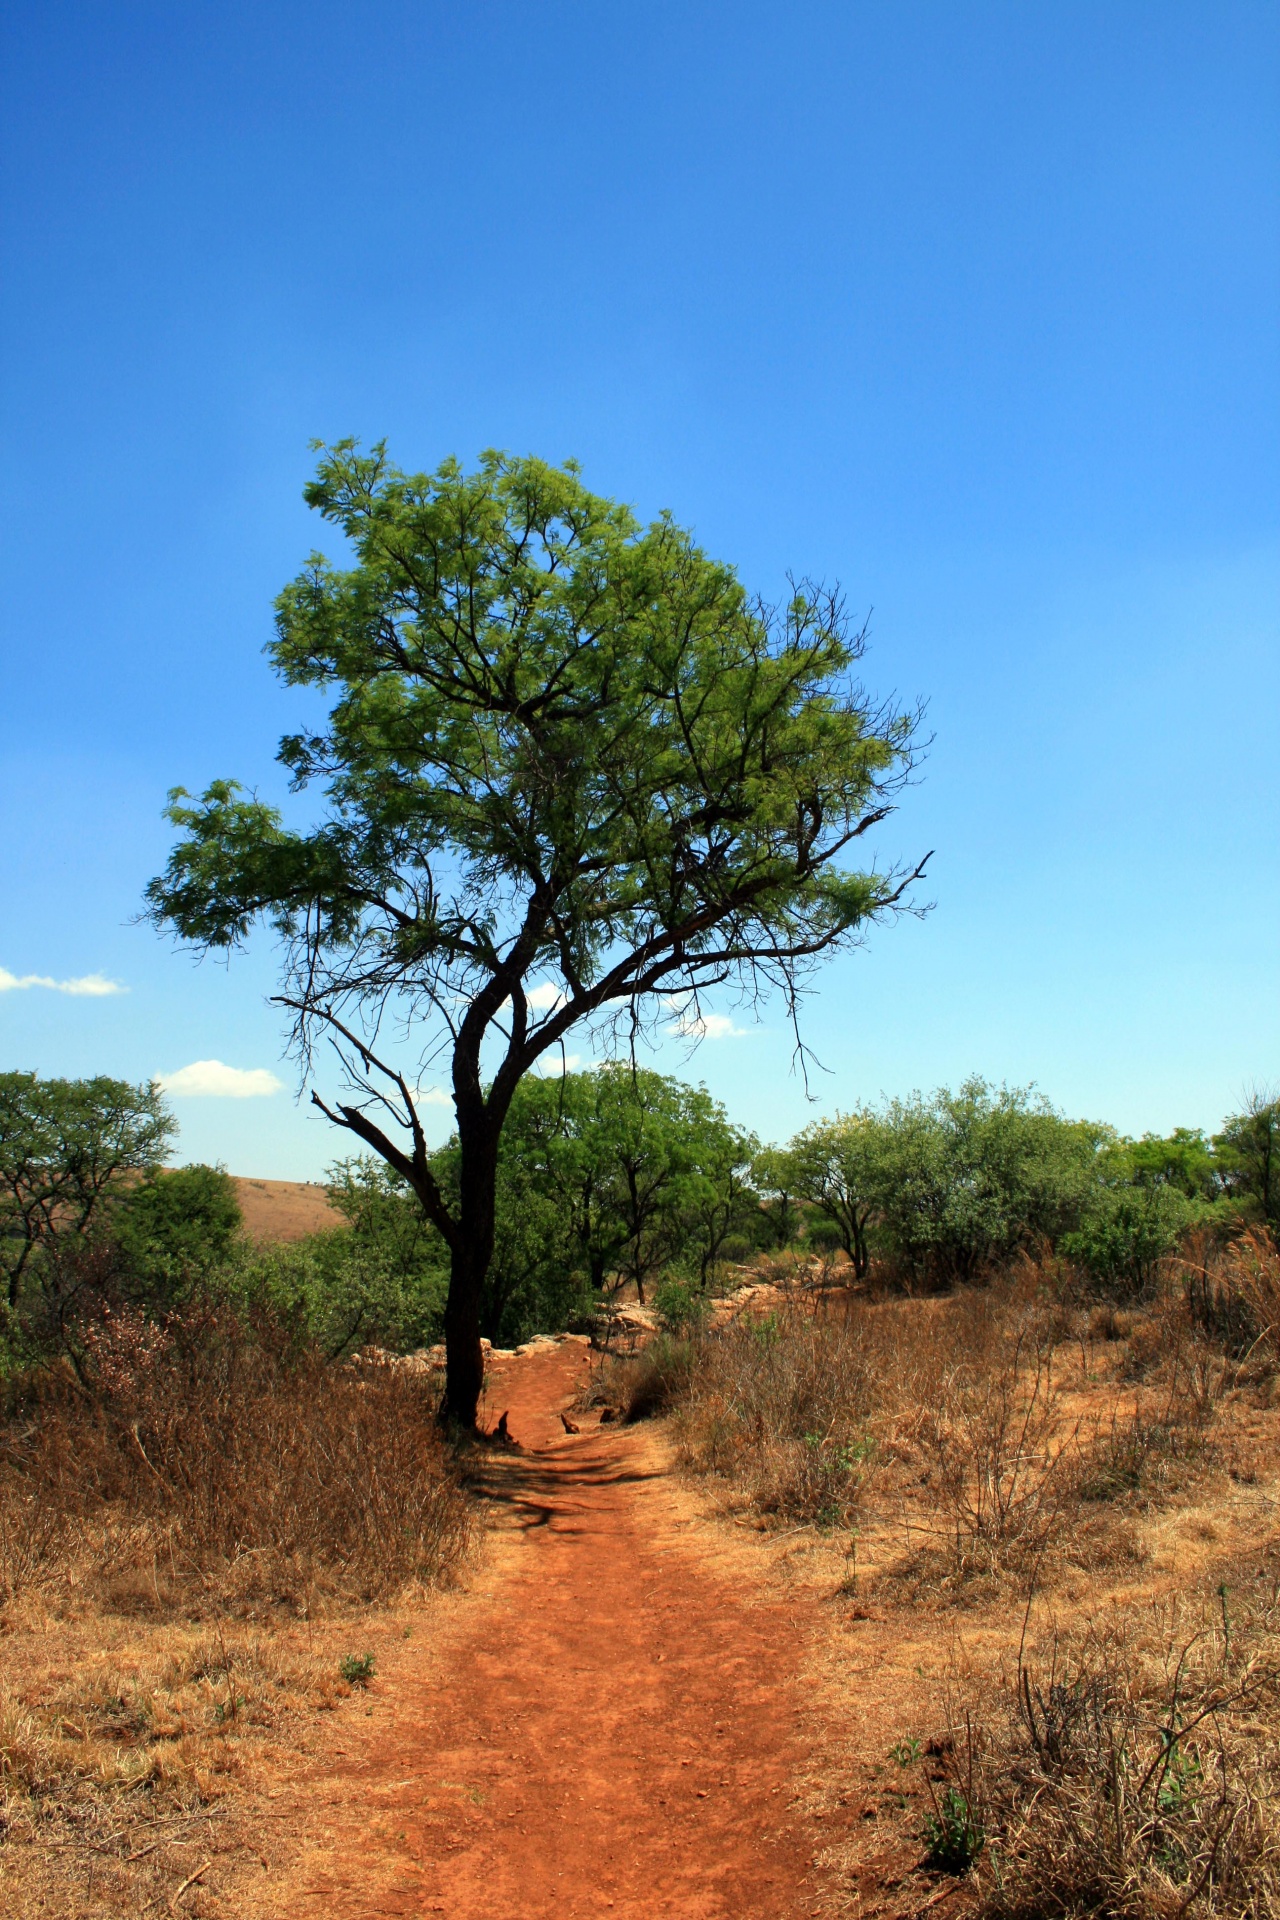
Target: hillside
{"type": "Point", "coordinates": [276, 1210]}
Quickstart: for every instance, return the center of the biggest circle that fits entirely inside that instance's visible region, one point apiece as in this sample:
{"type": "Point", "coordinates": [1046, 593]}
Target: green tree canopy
{"type": "Point", "coordinates": [561, 748]}
{"type": "Point", "coordinates": [618, 1174]}
{"type": "Point", "coordinates": [838, 1167]}
{"type": "Point", "coordinates": [175, 1225]}
{"type": "Point", "coordinates": [1247, 1152]}
{"type": "Point", "coordinates": [67, 1150]}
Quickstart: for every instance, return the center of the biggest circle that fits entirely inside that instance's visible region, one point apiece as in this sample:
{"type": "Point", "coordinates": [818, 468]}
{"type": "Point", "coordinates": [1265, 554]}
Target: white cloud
{"type": "Point", "coordinates": [211, 1080]}
{"type": "Point", "coordinates": [553, 1065]}
{"type": "Point", "coordinates": [431, 1097]}
{"type": "Point", "coordinates": [546, 995]}
{"type": "Point", "coordinates": [706, 1026]}
{"type": "Point", "coordinates": [91, 985]}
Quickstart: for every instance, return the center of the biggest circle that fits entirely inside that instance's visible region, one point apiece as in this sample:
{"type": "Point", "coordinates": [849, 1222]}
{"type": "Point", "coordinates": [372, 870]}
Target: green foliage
{"type": "Point", "coordinates": [561, 749]}
{"type": "Point", "coordinates": [953, 1835]}
{"type": "Point", "coordinates": [68, 1151]}
{"type": "Point", "coordinates": [1247, 1151]}
{"type": "Point", "coordinates": [968, 1178]}
{"type": "Point", "coordinates": [174, 1227]}
{"type": "Point", "coordinates": [379, 1280]}
{"type": "Point", "coordinates": [1126, 1231]}
{"type": "Point", "coordinates": [948, 1188]}
{"type": "Point", "coordinates": [837, 1166]}
{"type": "Point", "coordinates": [682, 1306]}
{"type": "Point", "coordinates": [616, 1174]}
{"type": "Point", "coordinates": [780, 1217]}
{"type": "Point", "coordinates": [1184, 1161]}
{"type": "Point", "coordinates": [357, 1669]}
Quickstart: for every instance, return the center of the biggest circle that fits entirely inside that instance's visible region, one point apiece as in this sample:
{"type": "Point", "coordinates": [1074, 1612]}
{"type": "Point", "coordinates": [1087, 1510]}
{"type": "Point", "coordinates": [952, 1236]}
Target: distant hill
{"type": "Point", "coordinates": [284, 1209]}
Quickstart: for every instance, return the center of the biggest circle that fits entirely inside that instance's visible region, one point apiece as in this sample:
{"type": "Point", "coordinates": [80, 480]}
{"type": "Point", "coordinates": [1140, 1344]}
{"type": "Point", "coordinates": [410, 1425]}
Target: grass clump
{"type": "Point", "coordinates": [779, 1405]}
{"type": "Point", "coordinates": [1137, 1774]}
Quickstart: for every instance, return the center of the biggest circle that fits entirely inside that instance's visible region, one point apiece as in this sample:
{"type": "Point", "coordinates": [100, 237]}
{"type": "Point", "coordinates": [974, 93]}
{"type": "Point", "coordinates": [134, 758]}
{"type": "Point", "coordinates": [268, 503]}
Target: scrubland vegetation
{"type": "Point", "coordinates": [1095, 1484]}
{"type": "Point", "coordinates": [998, 1360]}
{"type": "Point", "coordinates": [198, 1506]}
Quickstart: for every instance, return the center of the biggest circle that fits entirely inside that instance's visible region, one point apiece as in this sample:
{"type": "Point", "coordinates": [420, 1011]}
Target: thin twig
{"type": "Point", "coordinates": [190, 1881]}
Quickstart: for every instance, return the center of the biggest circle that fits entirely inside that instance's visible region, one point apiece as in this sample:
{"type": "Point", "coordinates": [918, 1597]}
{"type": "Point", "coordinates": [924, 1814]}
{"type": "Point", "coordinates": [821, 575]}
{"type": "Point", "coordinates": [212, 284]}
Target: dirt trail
{"type": "Point", "coordinates": [610, 1728]}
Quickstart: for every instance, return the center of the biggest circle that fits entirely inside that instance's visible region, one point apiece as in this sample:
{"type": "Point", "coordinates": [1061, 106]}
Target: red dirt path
{"type": "Point", "coordinates": [610, 1729]}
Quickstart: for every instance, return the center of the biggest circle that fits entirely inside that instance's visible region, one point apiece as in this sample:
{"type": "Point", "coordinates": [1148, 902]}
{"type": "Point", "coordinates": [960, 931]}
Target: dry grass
{"type": "Point", "coordinates": [988, 1425]}
{"type": "Point", "coordinates": [780, 1406]}
{"type": "Point", "coordinates": [186, 1554]}
{"type": "Point", "coordinates": [210, 1472]}
{"type": "Point", "coordinates": [1022, 1455]}
{"type": "Point", "coordinates": [1133, 1770]}
{"type": "Point", "coordinates": [127, 1748]}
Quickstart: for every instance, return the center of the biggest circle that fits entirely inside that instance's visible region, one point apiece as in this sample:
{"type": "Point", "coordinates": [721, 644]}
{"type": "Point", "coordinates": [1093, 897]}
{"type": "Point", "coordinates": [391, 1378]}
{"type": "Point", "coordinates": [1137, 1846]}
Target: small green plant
{"type": "Point", "coordinates": [954, 1835]}
{"type": "Point", "coordinates": [357, 1669]}
{"type": "Point", "coordinates": [905, 1752]}
{"type": "Point", "coordinates": [682, 1305]}
{"type": "Point", "coordinates": [1181, 1782]}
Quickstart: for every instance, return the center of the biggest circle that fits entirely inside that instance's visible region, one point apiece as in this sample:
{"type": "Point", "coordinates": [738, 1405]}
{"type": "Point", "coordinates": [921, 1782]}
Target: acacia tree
{"type": "Point", "coordinates": [563, 750]}
{"type": "Point", "coordinates": [67, 1149]}
{"type": "Point", "coordinates": [835, 1165]}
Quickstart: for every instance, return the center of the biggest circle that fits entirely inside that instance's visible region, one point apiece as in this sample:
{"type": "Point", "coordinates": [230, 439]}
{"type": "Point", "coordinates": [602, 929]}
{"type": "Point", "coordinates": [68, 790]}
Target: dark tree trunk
{"type": "Point", "coordinates": [464, 1356]}
{"type": "Point", "coordinates": [861, 1255]}
{"type": "Point", "coordinates": [469, 1265]}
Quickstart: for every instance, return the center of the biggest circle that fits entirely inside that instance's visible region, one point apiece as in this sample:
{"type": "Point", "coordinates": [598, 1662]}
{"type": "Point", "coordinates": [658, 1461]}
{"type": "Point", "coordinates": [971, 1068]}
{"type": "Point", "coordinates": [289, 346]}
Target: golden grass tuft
{"type": "Point", "coordinates": [214, 1474]}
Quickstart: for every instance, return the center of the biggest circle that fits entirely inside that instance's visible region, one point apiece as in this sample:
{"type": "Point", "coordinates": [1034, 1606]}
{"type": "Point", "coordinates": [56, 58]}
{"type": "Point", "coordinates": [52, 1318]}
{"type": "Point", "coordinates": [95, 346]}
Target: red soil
{"type": "Point", "coordinates": [612, 1727]}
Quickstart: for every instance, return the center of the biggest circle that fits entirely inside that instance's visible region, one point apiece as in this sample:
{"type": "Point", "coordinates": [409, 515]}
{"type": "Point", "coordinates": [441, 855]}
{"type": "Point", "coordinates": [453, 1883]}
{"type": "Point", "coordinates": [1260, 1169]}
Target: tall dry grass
{"type": "Point", "coordinates": [780, 1405]}
{"type": "Point", "coordinates": [1132, 1773]}
{"type": "Point", "coordinates": [213, 1467]}
{"type": "Point", "coordinates": [1233, 1295]}
{"type": "Point", "coordinates": [190, 1531]}
{"type": "Point", "coordinates": [975, 1412]}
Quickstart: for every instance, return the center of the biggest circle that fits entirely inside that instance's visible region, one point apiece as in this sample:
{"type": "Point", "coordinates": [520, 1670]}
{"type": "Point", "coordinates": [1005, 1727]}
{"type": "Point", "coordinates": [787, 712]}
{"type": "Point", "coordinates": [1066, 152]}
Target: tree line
{"type": "Point", "coordinates": [618, 1178]}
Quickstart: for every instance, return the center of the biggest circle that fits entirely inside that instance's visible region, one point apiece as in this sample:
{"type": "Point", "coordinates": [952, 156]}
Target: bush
{"type": "Point", "coordinates": [1127, 1233]}
{"type": "Point", "coordinates": [780, 1406]}
{"type": "Point", "coordinates": [681, 1305]}
{"type": "Point", "coordinates": [344, 1292]}
{"type": "Point", "coordinates": [173, 1228]}
{"type": "Point", "coordinates": [657, 1378]}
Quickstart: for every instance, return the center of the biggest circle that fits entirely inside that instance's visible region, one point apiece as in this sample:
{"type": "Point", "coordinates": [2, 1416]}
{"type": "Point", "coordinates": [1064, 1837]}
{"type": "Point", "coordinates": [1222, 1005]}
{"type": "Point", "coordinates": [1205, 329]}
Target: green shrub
{"type": "Point", "coordinates": [953, 1835]}
{"type": "Point", "coordinates": [174, 1227]}
{"type": "Point", "coordinates": [1126, 1233]}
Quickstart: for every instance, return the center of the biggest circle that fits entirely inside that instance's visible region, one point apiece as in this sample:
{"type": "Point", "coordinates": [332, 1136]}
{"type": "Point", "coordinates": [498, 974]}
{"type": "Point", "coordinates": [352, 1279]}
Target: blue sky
{"type": "Point", "coordinates": [973, 308]}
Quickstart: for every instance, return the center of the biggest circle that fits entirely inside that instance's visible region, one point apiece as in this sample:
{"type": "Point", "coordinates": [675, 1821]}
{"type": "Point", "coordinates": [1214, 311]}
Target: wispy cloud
{"type": "Point", "coordinates": [546, 997]}
{"type": "Point", "coordinates": [211, 1080]}
{"type": "Point", "coordinates": [702, 1026]}
{"type": "Point", "coordinates": [93, 986]}
{"type": "Point", "coordinates": [432, 1097]}
{"type": "Point", "coordinates": [555, 1064]}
